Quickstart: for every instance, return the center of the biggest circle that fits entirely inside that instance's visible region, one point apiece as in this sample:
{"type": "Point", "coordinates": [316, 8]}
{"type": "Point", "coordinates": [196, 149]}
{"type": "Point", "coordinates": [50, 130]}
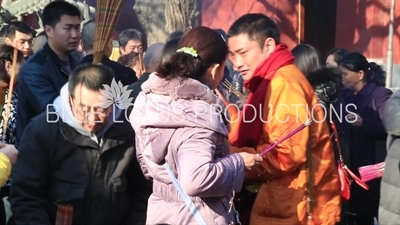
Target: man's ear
{"type": "Point", "coordinates": [269, 45]}
{"type": "Point", "coordinates": [49, 31]}
{"type": "Point", "coordinates": [8, 41]}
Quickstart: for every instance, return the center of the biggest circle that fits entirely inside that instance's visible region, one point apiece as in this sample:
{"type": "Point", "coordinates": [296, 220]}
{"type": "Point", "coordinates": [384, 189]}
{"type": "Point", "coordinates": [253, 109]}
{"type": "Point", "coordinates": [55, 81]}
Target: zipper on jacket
{"type": "Point", "coordinates": [64, 72]}
{"type": "Point", "coordinates": [93, 178]}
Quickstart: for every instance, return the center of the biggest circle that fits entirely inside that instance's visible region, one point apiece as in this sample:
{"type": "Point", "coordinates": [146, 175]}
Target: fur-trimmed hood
{"type": "Point", "coordinates": [167, 105]}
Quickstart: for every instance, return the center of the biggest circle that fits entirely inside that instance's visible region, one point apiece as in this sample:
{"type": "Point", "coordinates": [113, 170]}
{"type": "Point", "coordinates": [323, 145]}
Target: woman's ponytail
{"type": "Point", "coordinates": [199, 48]}
{"type": "Point", "coordinates": [181, 65]}
{"type": "Point", "coordinates": [376, 74]}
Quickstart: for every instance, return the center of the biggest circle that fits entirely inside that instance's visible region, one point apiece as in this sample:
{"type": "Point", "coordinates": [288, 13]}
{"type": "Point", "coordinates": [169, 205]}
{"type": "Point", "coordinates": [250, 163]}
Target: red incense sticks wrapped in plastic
{"type": "Point", "coordinates": [64, 215]}
{"type": "Point", "coordinates": [372, 172]}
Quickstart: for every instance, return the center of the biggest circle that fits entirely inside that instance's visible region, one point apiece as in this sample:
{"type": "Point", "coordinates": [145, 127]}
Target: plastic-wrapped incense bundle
{"type": "Point", "coordinates": [372, 172]}
{"type": "Point", "coordinates": [64, 215]}
{"type": "Point", "coordinates": [10, 91]}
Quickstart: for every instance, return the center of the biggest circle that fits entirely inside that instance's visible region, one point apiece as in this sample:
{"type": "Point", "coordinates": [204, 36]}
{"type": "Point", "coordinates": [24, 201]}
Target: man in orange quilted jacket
{"type": "Point", "coordinates": [280, 100]}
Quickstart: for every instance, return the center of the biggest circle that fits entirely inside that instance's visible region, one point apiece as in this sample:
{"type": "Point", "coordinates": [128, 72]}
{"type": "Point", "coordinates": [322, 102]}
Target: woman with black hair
{"type": "Point", "coordinates": [363, 100]}
{"type": "Point", "coordinates": [334, 57]}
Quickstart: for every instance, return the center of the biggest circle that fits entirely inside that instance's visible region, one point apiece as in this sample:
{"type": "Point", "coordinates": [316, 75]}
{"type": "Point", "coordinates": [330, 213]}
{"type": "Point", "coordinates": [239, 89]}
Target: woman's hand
{"type": "Point", "coordinates": [250, 159]}
{"type": "Point", "coordinates": [355, 119]}
{"type": "Point", "coordinates": [10, 151]}
{"type": "Point", "coordinates": [220, 95]}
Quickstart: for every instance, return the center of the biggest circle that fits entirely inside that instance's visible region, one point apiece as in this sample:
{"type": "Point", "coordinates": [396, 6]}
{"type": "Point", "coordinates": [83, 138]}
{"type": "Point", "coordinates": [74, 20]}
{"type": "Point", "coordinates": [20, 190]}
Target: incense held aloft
{"type": "Point", "coordinates": [64, 215]}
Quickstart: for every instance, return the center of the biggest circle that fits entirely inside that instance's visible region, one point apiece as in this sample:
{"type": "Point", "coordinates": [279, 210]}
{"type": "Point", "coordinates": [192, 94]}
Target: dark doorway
{"type": "Point", "coordinates": [320, 24]}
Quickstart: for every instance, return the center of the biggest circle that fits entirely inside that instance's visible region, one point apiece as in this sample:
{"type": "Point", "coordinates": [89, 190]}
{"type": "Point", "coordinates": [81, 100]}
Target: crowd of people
{"type": "Point", "coordinates": [194, 132]}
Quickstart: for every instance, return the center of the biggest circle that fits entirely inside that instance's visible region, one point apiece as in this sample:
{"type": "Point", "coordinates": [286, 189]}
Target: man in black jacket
{"type": "Point", "coordinates": [122, 73]}
{"type": "Point", "coordinates": [77, 154]}
{"type": "Point", "coordinates": [43, 75]}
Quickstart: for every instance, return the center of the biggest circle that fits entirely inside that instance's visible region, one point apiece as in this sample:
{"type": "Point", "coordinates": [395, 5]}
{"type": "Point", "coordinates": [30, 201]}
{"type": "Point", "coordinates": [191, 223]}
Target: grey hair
{"type": "Point", "coordinates": [128, 35]}
{"type": "Point", "coordinates": [88, 30]}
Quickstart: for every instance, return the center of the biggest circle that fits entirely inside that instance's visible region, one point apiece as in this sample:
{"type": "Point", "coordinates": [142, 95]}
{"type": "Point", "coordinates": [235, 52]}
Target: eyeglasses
{"type": "Point", "coordinates": [86, 111]}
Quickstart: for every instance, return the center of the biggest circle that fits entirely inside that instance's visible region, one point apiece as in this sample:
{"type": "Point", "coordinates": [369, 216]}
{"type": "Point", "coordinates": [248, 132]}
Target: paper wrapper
{"type": "Point", "coordinates": [64, 215]}
{"type": "Point", "coordinates": [372, 172]}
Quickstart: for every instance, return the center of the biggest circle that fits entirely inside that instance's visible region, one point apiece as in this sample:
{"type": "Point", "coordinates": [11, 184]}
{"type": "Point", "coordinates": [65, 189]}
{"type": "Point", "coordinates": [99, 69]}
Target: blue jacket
{"type": "Point", "coordinates": [39, 83]}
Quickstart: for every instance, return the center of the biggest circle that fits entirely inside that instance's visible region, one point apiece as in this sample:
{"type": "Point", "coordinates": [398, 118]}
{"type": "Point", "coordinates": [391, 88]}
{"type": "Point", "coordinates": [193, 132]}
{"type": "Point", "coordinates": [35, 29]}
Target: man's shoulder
{"type": "Point", "coordinates": [381, 91]}
{"type": "Point", "coordinates": [39, 58]}
{"type": "Point", "coordinates": [37, 64]}
{"type": "Point", "coordinates": [45, 120]}
{"type": "Point", "coordinates": [290, 75]}
{"type": "Point", "coordinates": [117, 67]}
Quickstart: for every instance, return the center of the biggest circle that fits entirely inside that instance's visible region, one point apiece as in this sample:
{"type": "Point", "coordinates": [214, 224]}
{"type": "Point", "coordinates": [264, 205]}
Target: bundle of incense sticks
{"type": "Point", "coordinates": [295, 131]}
{"type": "Point", "coordinates": [64, 215]}
{"type": "Point", "coordinates": [372, 172]}
{"type": "Point", "coordinates": [10, 91]}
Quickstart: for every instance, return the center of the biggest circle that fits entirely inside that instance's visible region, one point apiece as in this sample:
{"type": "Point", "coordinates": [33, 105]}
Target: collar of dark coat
{"type": "Point", "coordinates": [117, 134]}
{"type": "Point", "coordinates": [365, 92]}
{"type": "Point", "coordinates": [54, 57]}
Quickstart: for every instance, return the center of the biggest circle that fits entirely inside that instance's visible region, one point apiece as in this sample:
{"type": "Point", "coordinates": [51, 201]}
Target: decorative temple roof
{"type": "Point", "coordinates": [17, 8]}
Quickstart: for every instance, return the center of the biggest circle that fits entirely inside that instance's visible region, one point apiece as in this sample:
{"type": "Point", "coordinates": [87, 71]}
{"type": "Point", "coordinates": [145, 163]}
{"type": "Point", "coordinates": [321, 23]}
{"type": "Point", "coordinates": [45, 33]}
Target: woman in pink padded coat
{"type": "Point", "coordinates": [179, 120]}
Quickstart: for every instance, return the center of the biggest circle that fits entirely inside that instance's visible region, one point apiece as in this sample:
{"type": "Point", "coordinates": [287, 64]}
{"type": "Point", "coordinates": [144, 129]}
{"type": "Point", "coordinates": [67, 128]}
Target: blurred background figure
{"type": "Point", "coordinates": [20, 36]}
{"type": "Point", "coordinates": [334, 57]}
{"type": "Point", "coordinates": [115, 53]}
{"type": "Point", "coordinates": [175, 35]}
{"type": "Point", "coordinates": [134, 61]}
{"type": "Point", "coordinates": [306, 58]}
{"type": "Point", "coordinates": [124, 74]}
{"type": "Point", "coordinates": [132, 40]}
{"type": "Point", "coordinates": [39, 42]}
{"type": "Point", "coordinates": [389, 210]}
{"type": "Point", "coordinates": [155, 55]}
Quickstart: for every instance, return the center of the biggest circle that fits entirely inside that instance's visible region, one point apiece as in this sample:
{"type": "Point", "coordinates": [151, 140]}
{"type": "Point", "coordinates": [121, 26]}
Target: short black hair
{"type": "Point", "coordinates": [257, 26]}
{"type": "Point", "coordinates": [91, 76]}
{"type": "Point", "coordinates": [338, 54]}
{"type": "Point", "coordinates": [19, 26]}
{"type": "Point", "coordinates": [131, 34]}
{"type": "Point", "coordinates": [53, 12]}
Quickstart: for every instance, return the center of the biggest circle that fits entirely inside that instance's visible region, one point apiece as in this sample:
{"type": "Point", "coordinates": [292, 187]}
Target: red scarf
{"type": "Point", "coordinates": [249, 132]}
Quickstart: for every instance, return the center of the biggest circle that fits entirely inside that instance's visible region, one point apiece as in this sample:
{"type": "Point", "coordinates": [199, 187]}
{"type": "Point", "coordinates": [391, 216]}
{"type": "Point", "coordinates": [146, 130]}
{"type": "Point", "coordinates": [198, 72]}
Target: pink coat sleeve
{"type": "Point", "coordinates": [139, 157]}
{"type": "Point", "coordinates": [200, 173]}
